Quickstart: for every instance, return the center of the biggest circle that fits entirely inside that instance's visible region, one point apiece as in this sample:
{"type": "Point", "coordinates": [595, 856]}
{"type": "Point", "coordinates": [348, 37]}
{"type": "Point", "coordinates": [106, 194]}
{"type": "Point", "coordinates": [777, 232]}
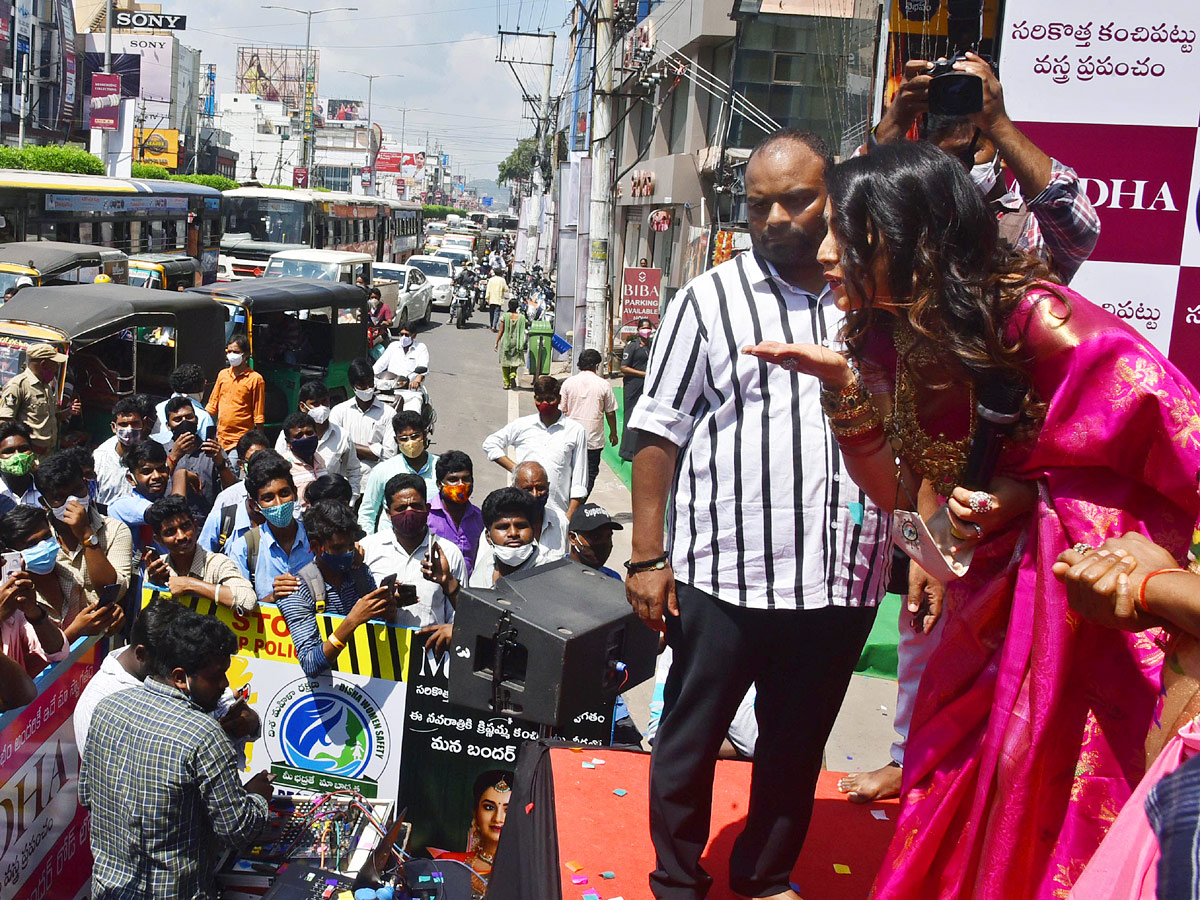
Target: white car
{"type": "Point", "coordinates": [457, 257]}
{"type": "Point", "coordinates": [415, 300]}
{"type": "Point", "coordinates": [439, 272]}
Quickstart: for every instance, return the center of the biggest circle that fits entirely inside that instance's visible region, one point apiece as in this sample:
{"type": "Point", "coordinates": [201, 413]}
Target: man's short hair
{"type": "Point", "coordinates": [359, 371]}
{"type": "Point", "coordinates": [297, 420]}
{"type": "Point", "coordinates": [546, 384]}
{"type": "Point", "coordinates": [813, 142]}
{"type": "Point", "coordinates": [127, 406]}
{"type": "Point", "coordinates": [241, 341]}
{"type": "Point", "coordinates": [328, 518]}
{"type": "Point", "coordinates": [169, 507]}
{"type": "Point", "coordinates": [401, 482]}
{"type": "Point", "coordinates": [12, 427]}
{"type": "Point", "coordinates": [408, 418]}
{"type": "Point", "coordinates": [58, 472]}
{"type": "Point", "coordinates": [589, 360]}
{"type": "Point", "coordinates": [312, 390]}
{"type": "Point", "coordinates": [192, 642]}
{"type": "Point", "coordinates": [187, 379]}
{"type": "Point", "coordinates": [252, 438]}
{"type": "Point", "coordinates": [939, 126]}
{"type": "Point", "coordinates": [452, 461]}
{"type": "Point", "coordinates": [21, 523]}
{"type": "Point", "coordinates": [148, 627]}
{"type": "Point", "coordinates": [265, 467]}
{"type": "Point", "coordinates": [507, 501]}
{"type": "Point", "coordinates": [83, 456]}
{"type": "Point", "coordinates": [329, 487]}
{"type": "Point", "coordinates": [175, 404]}
{"type": "Point", "coordinates": [145, 451]}
{"type": "Point", "coordinates": [146, 405]}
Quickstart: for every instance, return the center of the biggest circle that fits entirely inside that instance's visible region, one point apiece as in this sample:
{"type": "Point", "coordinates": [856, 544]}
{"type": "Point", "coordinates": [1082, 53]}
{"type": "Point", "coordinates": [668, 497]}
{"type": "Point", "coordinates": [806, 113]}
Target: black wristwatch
{"type": "Point", "coordinates": [646, 565]}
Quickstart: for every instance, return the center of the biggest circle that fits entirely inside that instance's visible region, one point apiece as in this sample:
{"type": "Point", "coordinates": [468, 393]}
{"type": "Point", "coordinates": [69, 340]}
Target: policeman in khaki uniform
{"type": "Point", "coordinates": [32, 397]}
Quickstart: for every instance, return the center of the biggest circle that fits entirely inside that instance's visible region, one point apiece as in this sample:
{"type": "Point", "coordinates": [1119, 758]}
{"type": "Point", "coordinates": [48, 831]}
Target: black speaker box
{"type": "Point", "coordinates": [565, 638]}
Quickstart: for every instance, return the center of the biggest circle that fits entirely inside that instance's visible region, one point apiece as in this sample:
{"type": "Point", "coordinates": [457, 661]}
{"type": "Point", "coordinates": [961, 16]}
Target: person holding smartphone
{"type": "Point", "coordinates": [150, 474]}
{"type": "Point", "coordinates": [197, 453]}
{"type": "Point", "coordinates": [429, 567]}
{"type": "Point", "coordinates": [337, 583]}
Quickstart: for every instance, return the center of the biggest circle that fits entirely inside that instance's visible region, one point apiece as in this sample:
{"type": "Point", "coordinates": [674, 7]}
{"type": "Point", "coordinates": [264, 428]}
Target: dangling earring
{"type": "Point", "coordinates": [472, 839]}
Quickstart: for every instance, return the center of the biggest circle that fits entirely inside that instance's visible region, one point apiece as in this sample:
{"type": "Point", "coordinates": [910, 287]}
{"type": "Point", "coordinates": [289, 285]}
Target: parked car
{"type": "Point", "coordinates": [439, 272]}
{"type": "Point", "coordinates": [415, 300]}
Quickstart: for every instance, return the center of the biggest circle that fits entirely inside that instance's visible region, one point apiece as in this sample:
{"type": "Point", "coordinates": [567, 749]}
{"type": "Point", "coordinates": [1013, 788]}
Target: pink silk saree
{"type": "Point", "coordinates": [1027, 735]}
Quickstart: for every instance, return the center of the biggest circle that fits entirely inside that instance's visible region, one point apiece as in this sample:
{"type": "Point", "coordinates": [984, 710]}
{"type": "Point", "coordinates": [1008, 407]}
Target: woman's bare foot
{"type": "Point", "coordinates": [867, 787]}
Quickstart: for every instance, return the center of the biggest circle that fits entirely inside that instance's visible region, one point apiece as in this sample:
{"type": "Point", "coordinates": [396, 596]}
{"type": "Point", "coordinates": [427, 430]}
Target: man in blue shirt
{"type": "Point", "coordinates": [186, 381]}
{"type": "Point", "coordinates": [230, 516]}
{"type": "Point", "coordinates": [271, 555]}
{"type": "Point", "coordinates": [151, 477]}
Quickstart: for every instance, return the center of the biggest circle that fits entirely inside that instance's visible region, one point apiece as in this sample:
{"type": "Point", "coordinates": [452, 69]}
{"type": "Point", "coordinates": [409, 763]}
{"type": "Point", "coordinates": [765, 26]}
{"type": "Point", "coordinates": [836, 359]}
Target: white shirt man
{"type": "Point", "coordinates": [110, 472]}
{"type": "Point", "coordinates": [336, 452]}
{"type": "Point", "coordinates": [367, 427]}
{"type": "Point", "coordinates": [384, 556]}
{"type": "Point", "coordinates": [400, 360]}
{"type": "Point", "coordinates": [561, 448]}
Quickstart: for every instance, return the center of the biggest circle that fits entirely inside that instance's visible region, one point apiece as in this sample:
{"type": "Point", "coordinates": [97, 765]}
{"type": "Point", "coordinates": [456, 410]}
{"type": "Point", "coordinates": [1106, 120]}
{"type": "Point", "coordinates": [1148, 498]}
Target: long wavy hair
{"type": "Point", "coordinates": [949, 273]}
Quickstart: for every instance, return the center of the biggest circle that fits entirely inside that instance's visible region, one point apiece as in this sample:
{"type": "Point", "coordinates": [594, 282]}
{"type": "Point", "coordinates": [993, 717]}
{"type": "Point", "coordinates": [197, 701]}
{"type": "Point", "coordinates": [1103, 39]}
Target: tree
{"type": "Point", "coordinates": [51, 159]}
{"type": "Point", "coordinates": [519, 164]}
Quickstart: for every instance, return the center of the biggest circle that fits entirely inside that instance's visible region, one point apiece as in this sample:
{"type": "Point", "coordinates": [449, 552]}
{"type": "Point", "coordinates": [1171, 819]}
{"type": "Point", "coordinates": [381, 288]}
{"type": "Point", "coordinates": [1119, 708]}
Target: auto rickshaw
{"type": "Point", "coordinates": [300, 329]}
{"type": "Point", "coordinates": [119, 340]}
{"type": "Point", "coordinates": [164, 271]}
{"type": "Point", "coordinates": [57, 262]}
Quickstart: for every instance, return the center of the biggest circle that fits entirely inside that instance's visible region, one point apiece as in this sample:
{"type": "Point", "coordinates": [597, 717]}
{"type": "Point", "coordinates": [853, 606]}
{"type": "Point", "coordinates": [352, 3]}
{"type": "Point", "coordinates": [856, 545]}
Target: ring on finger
{"type": "Point", "coordinates": [980, 501]}
{"type": "Point", "coordinates": [1082, 548]}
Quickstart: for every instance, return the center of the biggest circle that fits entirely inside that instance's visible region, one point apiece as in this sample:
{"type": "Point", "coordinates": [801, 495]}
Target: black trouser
{"type": "Point", "coordinates": [800, 661]}
{"type": "Point", "coordinates": [593, 467]}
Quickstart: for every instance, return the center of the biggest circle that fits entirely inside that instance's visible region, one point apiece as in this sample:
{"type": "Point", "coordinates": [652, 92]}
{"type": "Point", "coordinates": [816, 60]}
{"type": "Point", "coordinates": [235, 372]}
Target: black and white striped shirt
{"type": "Point", "coordinates": [763, 514]}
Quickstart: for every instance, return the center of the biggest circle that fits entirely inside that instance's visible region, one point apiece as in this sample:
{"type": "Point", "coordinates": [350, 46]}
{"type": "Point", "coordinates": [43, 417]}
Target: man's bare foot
{"type": "Point", "coordinates": [867, 787]}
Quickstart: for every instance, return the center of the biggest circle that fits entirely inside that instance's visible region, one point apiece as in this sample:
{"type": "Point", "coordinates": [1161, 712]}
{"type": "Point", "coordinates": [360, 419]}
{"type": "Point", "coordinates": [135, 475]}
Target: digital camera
{"type": "Point", "coordinates": [954, 93]}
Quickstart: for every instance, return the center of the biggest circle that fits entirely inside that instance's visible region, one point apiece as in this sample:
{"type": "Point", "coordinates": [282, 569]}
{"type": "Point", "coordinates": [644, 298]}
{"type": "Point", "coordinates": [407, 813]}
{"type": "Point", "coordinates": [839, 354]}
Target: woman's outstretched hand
{"type": "Point", "coordinates": [829, 366]}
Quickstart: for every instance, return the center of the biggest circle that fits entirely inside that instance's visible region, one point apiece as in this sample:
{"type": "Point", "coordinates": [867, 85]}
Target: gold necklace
{"type": "Point", "coordinates": [479, 854]}
{"type": "Point", "coordinates": [939, 460]}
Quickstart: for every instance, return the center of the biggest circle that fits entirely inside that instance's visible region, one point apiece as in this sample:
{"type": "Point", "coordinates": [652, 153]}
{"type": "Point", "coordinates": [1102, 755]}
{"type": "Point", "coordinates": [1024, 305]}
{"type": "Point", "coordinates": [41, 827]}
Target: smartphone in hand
{"type": "Point", "coordinates": [210, 433]}
{"type": "Point", "coordinates": [11, 565]}
{"type": "Point", "coordinates": [406, 595]}
{"type": "Point", "coordinates": [109, 594]}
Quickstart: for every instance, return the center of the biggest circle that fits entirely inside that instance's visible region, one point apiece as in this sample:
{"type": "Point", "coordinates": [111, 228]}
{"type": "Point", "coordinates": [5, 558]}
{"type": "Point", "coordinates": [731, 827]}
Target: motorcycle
{"type": "Point", "coordinates": [460, 306]}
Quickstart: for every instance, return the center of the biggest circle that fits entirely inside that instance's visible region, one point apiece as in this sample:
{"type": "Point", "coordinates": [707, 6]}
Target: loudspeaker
{"type": "Point", "coordinates": [547, 643]}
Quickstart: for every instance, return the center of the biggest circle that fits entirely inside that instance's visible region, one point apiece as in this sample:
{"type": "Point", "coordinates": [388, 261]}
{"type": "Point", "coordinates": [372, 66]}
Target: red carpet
{"type": "Point", "coordinates": [606, 833]}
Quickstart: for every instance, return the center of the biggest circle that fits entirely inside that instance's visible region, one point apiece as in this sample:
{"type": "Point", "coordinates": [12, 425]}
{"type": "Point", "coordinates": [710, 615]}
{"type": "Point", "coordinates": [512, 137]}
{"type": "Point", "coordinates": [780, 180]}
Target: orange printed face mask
{"type": "Point", "coordinates": [457, 493]}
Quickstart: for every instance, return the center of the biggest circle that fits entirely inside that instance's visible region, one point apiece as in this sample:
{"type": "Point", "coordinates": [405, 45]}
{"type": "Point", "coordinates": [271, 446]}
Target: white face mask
{"type": "Point", "coordinates": [985, 174]}
{"type": "Point", "coordinates": [235, 359]}
{"type": "Point", "coordinates": [513, 556]}
{"type": "Point", "coordinates": [406, 341]}
{"type": "Point", "coordinates": [60, 512]}
{"type": "Point", "coordinates": [128, 435]}
{"type": "Point", "coordinates": [365, 395]}
{"type": "Point", "coordinates": [319, 414]}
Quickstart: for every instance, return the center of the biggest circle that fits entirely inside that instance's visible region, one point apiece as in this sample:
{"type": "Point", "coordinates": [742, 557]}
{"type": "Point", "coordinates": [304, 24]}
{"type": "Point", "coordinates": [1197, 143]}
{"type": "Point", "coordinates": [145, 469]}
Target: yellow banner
{"type": "Point", "coordinates": [375, 650]}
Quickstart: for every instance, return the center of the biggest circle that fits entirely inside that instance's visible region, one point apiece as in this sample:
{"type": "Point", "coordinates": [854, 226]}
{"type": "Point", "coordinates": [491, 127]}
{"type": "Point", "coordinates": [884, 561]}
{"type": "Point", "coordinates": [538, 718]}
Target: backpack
{"type": "Point", "coordinates": [228, 516]}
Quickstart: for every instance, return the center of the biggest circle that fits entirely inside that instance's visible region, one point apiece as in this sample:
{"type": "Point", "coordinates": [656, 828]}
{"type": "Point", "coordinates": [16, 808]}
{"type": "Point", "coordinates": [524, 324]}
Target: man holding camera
{"type": "Point", "coordinates": [1048, 214]}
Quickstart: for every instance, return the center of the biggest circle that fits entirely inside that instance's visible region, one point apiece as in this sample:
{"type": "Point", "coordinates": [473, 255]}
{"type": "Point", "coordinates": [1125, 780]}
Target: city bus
{"type": "Point", "coordinates": [260, 222]}
{"type": "Point", "coordinates": [133, 215]}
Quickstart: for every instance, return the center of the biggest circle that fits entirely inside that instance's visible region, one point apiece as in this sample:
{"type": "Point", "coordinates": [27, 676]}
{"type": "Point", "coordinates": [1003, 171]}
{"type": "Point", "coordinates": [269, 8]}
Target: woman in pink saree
{"type": "Point", "coordinates": [1027, 737]}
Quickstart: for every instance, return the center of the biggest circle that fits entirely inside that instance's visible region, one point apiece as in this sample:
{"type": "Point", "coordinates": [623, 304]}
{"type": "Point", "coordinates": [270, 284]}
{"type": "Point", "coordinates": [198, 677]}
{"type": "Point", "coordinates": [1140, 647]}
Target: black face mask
{"type": "Point", "coordinates": [305, 447]}
{"type": "Point", "coordinates": [541, 501]}
{"type": "Point", "coordinates": [188, 426]}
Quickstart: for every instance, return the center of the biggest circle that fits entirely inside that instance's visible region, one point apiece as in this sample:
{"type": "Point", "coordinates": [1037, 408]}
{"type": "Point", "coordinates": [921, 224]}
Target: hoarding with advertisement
{"type": "Point", "coordinates": [66, 49]}
{"type": "Point", "coordinates": [1113, 99]}
{"type": "Point", "coordinates": [44, 846]}
{"type": "Point", "coordinates": [104, 109]}
{"type": "Point", "coordinates": [641, 296]}
{"type": "Point", "coordinates": [275, 73]}
{"type": "Point", "coordinates": [157, 146]}
{"type": "Point", "coordinates": [406, 164]}
{"type": "Point", "coordinates": [345, 111]}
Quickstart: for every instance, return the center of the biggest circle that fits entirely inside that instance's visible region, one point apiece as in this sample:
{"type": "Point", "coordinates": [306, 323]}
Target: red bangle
{"type": "Point", "coordinates": [1141, 597]}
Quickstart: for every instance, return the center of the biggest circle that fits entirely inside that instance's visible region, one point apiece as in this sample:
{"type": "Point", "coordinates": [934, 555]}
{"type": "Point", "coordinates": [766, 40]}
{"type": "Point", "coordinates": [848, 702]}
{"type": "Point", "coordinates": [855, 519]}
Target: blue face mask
{"type": "Point", "coordinates": [280, 516]}
{"type": "Point", "coordinates": [339, 562]}
{"type": "Point", "coordinates": [41, 557]}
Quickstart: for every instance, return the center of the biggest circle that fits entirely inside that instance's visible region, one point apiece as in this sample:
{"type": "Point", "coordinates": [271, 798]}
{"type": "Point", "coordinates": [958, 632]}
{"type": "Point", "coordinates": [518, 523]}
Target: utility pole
{"type": "Point", "coordinates": [598, 318]}
{"type": "Point", "coordinates": [24, 96]}
{"type": "Point", "coordinates": [108, 17]}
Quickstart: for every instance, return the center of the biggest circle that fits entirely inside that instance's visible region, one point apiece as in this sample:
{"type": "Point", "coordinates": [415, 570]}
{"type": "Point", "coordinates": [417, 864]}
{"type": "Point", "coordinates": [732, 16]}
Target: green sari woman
{"type": "Point", "coordinates": [511, 344]}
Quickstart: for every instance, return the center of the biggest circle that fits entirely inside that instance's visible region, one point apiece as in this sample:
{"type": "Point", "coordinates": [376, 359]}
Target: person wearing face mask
{"type": "Point", "coordinates": [380, 312]}
{"type": "Point", "coordinates": [511, 344]}
{"type": "Point", "coordinates": [508, 515]}
{"type": "Point", "coordinates": [28, 635]}
{"type": "Point", "coordinates": [232, 514]}
{"type": "Point", "coordinates": [430, 569]}
{"type": "Point", "coordinates": [186, 381]}
{"type": "Point", "coordinates": [634, 359]}
{"type": "Point", "coordinates": [238, 399]}
{"type": "Point", "coordinates": [1047, 213]}
{"type": "Point", "coordinates": [17, 464]}
{"type": "Point", "coordinates": [95, 551]}
{"type": "Point", "coordinates": [588, 398]}
{"type": "Point", "coordinates": [189, 568]}
{"type": "Point", "coordinates": [193, 452]}
{"type": "Point", "coordinates": [549, 524]}
{"type": "Point", "coordinates": [452, 515]}
{"type": "Point", "coordinates": [414, 458]}
{"type": "Point", "coordinates": [109, 456]}
{"type": "Point", "coordinates": [404, 356]}
{"type": "Point", "coordinates": [31, 397]}
{"type": "Point", "coordinates": [83, 456]}
{"type": "Point", "coordinates": [550, 438]}
{"type": "Point", "coordinates": [334, 448]}
{"type": "Point", "coordinates": [271, 555]}
{"type": "Point", "coordinates": [363, 418]}
{"type": "Point", "coordinates": [300, 450]}
{"type": "Point", "coordinates": [148, 841]}
{"type": "Point", "coordinates": [590, 538]}
{"type": "Point", "coordinates": [337, 583]}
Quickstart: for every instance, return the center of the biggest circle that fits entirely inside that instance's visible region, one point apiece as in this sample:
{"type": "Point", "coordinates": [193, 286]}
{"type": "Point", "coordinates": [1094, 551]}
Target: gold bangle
{"type": "Point", "coordinates": [852, 394]}
{"type": "Point", "coordinates": [854, 431]}
{"type": "Point", "coordinates": [850, 413]}
{"type": "Point", "coordinates": [338, 643]}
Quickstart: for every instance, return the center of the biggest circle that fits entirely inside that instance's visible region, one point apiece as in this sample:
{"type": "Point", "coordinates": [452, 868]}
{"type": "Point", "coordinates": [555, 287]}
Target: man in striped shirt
{"type": "Point", "coordinates": [774, 560]}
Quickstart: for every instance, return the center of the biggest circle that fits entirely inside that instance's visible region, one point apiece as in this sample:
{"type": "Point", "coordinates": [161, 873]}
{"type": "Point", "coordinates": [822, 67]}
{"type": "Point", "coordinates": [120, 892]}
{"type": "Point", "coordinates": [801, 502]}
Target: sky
{"type": "Point", "coordinates": [438, 59]}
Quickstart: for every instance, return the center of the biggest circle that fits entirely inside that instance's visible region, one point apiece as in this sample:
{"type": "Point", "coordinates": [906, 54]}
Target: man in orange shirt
{"type": "Point", "coordinates": [238, 400]}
